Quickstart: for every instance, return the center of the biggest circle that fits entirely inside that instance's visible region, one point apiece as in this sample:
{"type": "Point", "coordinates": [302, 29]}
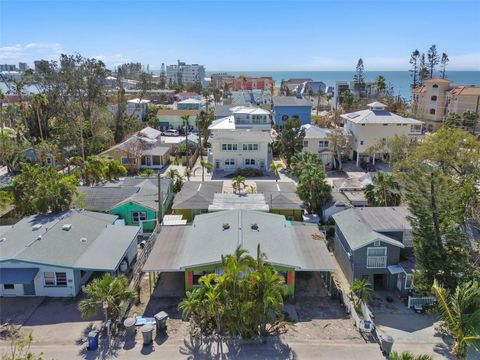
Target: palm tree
{"type": "Point", "coordinates": [460, 313]}
{"type": "Point", "coordinates": [186, 124]}
{"type": "Point", "coordinates": [304, 161]}
{"type": "Point", "coordinates": [205, 165]}
{"type": "Point", "coordinates": [380, 84]}
{"type": "Point", "coordinates": [204, 120]}
{"type": "Point", "coordinates": [113, 170]}
{"type": "Point", "coordinates": [276, 167]}
{"type": "Point", "coordinates": [39, 100]}
{"type": "Point", "coordinates": [187, 172]}
{"type": "Point", "coordinates": [238, 183]}
{"type": "Point", "coordinates": [93, 170]}
{"type": "Point", "coordinates": [406, 355]}
{"type": "Point", "coordinates": [177, 179]}
{"type": "Point", "coordinates": [313, 189]}
{"type": "Point", "coordinates": [384, 190]}
{"type": "Point", "coordinates": [114, 291]}
{"type": "Point", "coordinates": [362, 290]}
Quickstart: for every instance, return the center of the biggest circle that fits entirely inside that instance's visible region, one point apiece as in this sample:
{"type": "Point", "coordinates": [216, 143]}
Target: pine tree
{"type": "Point", "coordinates": [414, 61]}
{"type": "Point", "coordinates": [423, 73]}
{"type": "Point", "coordinates": [432, 59]}
{"type": "Point", "coordinates": [444, 61]}
{"type": "Point", "coordinates": [359, 76]}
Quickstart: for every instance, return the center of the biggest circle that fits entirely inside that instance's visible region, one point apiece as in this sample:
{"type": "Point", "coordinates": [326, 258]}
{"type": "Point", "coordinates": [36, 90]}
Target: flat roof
{"type": "Point", "coordinates": [238, 201]}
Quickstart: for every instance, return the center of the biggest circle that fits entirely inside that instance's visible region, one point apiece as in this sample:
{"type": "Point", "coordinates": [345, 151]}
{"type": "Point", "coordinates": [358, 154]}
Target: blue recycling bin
{"type": "Point", "coordinates": [93, 340]}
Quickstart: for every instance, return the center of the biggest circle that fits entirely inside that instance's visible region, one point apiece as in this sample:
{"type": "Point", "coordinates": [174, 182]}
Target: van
{"type": "Point", "coordinates": [170, 132]}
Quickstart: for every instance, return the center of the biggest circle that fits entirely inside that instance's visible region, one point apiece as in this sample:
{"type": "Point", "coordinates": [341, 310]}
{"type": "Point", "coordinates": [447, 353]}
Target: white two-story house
{"type": "Point", "coordinates": [241, 140]}
{"type": "Point", "coordinates": [316, 141]}
{"type": "Point", "coordinates": [369, 127]}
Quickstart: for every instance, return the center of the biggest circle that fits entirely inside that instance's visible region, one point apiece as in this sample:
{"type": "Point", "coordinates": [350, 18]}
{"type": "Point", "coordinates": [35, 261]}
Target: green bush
{"type": "Point", "coordinates": [247, 172]}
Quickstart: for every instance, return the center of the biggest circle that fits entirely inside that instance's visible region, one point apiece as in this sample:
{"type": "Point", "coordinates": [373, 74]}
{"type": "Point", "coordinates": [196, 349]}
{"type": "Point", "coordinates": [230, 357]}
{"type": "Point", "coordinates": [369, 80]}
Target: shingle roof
{"type": "Point", "coordinates": [314, 132]}
{"type": "Point", "coordinates": [378, 117]}
{"type": "Point", "coordinates": [197, 195]}
{"type": "Point", "coordinates": [280, 195]}
{"type": "Point", "coordinates": [362, 226]}
{"type": "Point", "coordinates": [207, 240]}
{"type": "Point", "coordinates": [290, 101]}
{"type": "Point", "coordinates": [42, 239]}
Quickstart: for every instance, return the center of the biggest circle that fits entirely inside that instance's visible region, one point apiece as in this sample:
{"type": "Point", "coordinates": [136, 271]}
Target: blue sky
{"type": "Point", "coordinates": [243, 35]}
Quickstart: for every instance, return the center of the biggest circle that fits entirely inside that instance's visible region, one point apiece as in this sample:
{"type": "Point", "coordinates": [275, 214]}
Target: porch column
{"type": "Point", "coordinates": [189, 279]}
{"type": "Point", "coordinates": [358, 159]}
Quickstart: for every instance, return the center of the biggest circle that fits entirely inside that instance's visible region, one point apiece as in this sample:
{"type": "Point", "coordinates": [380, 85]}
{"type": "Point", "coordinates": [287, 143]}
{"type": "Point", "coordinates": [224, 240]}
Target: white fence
{"type": "Point", "coordinates": [421, 301]}
{"type": "Point", "coordinates": [350, 309]}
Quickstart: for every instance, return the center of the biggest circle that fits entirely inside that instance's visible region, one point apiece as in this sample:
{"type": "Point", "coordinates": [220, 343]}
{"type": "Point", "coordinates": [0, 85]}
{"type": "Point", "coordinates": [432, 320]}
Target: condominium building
{"type": "Point", "coordinates": [241, 140]}
{"type": "Point", "coordinates": [184, 73]}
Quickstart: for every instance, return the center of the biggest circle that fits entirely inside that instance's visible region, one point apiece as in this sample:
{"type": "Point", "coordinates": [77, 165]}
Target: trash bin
{"type": "Point", "coordinates": [161, 321]}
{"type": "Point", "coordinates": [147, 333]}
{"type": "Point", "coordinates": [386, 344]}
{"type": "Point", "coordinates": [129, 324]}
{"type": "Point", "coordinates": [93, 340]}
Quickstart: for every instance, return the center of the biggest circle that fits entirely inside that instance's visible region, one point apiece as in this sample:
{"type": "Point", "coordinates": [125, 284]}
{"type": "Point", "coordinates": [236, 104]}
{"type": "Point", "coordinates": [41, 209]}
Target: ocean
{"type": "Point", "coordinates": [400, 80]}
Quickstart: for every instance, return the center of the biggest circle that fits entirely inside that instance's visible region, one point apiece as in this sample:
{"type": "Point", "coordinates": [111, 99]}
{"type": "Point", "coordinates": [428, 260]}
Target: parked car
{"type": "Point", "coordinates": [171, 132]}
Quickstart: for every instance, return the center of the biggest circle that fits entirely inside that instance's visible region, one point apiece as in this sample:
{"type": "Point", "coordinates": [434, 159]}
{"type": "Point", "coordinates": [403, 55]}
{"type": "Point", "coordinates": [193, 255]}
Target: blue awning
{"type": "Point", "coordinates": [18, 276]}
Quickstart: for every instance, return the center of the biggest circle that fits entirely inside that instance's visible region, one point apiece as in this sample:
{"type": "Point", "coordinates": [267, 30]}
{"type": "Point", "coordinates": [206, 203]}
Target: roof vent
{"type": "Point", "coordinates": [2, 239]}
{"type": "Point", "coordinates": [254, 227]}
{"type": "Point", "coordinates": [36, 227]}
{"type": "Point", "coordinates": [83, 240]}
{"type": "Point", "coordinates": [67, 227]}
{"type": "Point", "coordinates": [226, 227]}
{"type": "Point", "coordinates": [39, 237]}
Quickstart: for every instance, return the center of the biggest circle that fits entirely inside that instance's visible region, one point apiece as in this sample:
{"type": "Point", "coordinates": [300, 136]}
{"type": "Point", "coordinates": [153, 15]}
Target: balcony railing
{"type": "Point", "coordinates": [376, 262]}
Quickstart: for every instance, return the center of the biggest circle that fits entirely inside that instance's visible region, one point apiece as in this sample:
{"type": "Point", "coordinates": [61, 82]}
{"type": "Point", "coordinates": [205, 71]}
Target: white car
{"type": "Point", "coordinates": [170, 132]}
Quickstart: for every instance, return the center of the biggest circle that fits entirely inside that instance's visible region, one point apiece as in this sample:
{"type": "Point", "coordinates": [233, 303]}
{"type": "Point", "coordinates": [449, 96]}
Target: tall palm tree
{"type": "Point", "coordinates": [39, 100]}
{"type": "Point", "coordinates": [460, 313]}
{"type": "Point", "coordinates": [238, 183]}
{"type": "Point", "coordinates": [276, 167]}
{"type": "Point", "coordinates": [406, 355]}
{"type": "Point", "coordinates": [362, 290]}
{"type": "Point", "coordinates": [115, 291]}
{"type": "Point", "coordinates": [385, 190]}
{"type": "Point", "coordinates": [204, 120]}
{"type": "Point", "coordinates": [113, 170]}
{"type": "Point", "coordinates": [380, 85]}
{"type": "Point", "coordinates": [186, 124]}
{"type": "Point", "coordinates": [304, 161]}
{"type": "Point", "coordinates": [176, 178]}
{"type": "Point", "coordinates": [205, 165]}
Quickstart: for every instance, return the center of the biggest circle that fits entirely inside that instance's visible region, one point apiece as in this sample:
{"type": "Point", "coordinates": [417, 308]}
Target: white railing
{"type": "Point", "coordinates": [375, 262]}
{"type": "Point", "coordinates": [421, 301]}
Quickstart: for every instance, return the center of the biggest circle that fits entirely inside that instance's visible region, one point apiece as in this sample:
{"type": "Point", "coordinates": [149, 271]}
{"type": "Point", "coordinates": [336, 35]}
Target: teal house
{"type": "Point", "coordinates": [133, 199]}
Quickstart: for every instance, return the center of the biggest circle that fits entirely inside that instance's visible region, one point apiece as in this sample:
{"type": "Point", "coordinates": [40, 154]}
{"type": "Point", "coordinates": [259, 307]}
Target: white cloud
{"type": "Point", "coordinates": [465, 62]}
{"type": "Point", "coordinates": [30, 52]}
{"type": "Point", "coordinates": [113, 60]}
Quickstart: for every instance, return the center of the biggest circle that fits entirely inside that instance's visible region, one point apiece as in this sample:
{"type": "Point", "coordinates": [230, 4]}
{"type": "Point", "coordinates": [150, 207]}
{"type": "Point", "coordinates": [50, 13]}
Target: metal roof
{"type": "Point", "coordinates": [280, 195]}
{"type": "Point", "coordinates": [378, 117]}
{"type": "Point", "coordinates": [238, 201]}
{"type": "Point", "coordinates": [196, 194]}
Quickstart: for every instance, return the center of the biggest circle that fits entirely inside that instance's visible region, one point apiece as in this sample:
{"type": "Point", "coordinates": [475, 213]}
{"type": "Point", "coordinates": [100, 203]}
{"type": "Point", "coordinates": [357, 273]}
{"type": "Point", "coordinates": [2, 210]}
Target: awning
{"type": "Point", "coordinates": [395, 269]}
{"type": "Point", "coordinates": [18, 276]}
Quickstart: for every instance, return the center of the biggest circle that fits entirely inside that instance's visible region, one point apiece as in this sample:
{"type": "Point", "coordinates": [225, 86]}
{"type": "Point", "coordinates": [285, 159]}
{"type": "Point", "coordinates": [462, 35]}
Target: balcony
{"type": "Point", "coordinates": [376, 262]}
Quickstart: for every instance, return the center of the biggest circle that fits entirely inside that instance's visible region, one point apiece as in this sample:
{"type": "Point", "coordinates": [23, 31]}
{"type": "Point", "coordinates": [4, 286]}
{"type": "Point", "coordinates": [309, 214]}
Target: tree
{"type": "Point", "coordinates": [186, 124]}
{"type": "Point", "coordinates": [423, 73]}
{"type": "Point", "coordinates": [114, 291]}
{"type": "Point", "coordinates": [444, 61]}
{"type": "Point", "coordinates": [114, 170]}
{"type": "Point", "coordinates": [205, 165]}
{"type": "Point", "coordinates": [406, 355]}
{"type": "Point", "coordinates": [380, 85]}
{"type": "Point", "coordinates": [363, 291]}
{"type": "Point", "coordinates": [238, 183]}
{"type": "Point", "coordinates": [432, 59]}
{"type": "Point", "coordinates": [177, 179]}
{"type": "Point", "coordinates": [453, 120]}
{"type": "Point", "coordinates": [359, 77]}
{"type": "Point", "coordinates": [303, 162]}
{"type": "Point", "coordinates": [276, 167]}
{"type": "Point", "coordinates": [384, 191]}
{"type": "Point", "coordinates": [470, 120]}
{"type": "Point", "coordinates": [20, 349]}
{"type": "Point", "coordinates": [460, 313]}
{"type": "Point", "coordinates": [414, 61]}
{"type": "Point", "coordinates": [339, 143]}
{"type": "Point", "coordinates": [290, 140]}
{"type": "Point", "coordinates": [313, 190]}
{"type": "Point", "coordinates": [204, 120]}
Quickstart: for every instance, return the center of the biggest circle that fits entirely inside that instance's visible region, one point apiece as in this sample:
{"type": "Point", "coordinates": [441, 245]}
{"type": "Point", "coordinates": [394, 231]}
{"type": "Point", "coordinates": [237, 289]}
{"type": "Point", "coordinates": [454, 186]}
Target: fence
{"type": "Point", "coordinates": [350, 309]}
{"type": "Point", "coordinates": [142, 258]}
{"type": "Point", "coordinates": [421, 301]}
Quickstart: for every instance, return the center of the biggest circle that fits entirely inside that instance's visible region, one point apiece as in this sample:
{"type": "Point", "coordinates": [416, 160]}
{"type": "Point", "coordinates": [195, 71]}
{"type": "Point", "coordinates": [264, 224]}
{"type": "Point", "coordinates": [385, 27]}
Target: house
{"type": "Point", "coordinates": [310, 87]}
{"type": "Point", "coordinates": [286, 107]}
{"type": "Point", "coordinates": [281, 198]}
{"type": "Point", "coordinates": [342, 86]}
{"type": "Point", "coordinates": [375, 243]}
{"type": "Point", "coordinates": [133, 199]}
{"type": "Point", "coordinates": [189, 104]}
{"type": "Point", "coordinates": [56, 254]}
{"type": "Point", "coordinates": [144, 150]}
{"type": "Point", "coordinates": [172, 119]}
{"type": "Point", "coordinates": [196, 250]}
{"type": "Point", "coordinates": [195, 198]}
{"type": "Point", "coordinates": [241, 140]}
{"type": "Point", "coordinates": [369, 127]}
{"type": "Point", "coordinates": [248, 83]}
{"type": "Point", "coordinates": [137, 108]}
{"type": "Point", "coordinates": [316, 141]}
{"type": "Point", "coordinates": [188, 95]}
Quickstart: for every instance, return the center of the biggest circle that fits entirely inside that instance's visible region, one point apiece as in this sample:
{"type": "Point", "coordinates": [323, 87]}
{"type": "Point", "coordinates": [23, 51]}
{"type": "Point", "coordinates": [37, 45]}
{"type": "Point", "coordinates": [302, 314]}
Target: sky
{"type": "Point", "coordinates": [243, 35]}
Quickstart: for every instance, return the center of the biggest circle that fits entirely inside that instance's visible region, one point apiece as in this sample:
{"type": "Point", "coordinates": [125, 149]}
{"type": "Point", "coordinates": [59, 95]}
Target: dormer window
{"type": "Point", "coordinates": [435, 86]}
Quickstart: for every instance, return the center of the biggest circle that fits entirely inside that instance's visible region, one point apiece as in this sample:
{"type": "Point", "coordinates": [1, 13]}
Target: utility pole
{"type": "Point", "coordinates": [160, 202]}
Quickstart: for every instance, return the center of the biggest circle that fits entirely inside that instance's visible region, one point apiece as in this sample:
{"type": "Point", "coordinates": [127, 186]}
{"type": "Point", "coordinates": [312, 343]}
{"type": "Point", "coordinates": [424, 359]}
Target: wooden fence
{"type": "Point", "coordinates": [142, 257]}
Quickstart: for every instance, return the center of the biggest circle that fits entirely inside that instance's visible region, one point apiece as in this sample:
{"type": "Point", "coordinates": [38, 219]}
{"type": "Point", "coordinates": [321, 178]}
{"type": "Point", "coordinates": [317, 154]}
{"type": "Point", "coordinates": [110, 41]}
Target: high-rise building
{"type": "Point", "coordinates": [183, 73]}
{"type": "Point", "coordinates": [8, 67]}
{"type": "Point", "coordinates": [22, 66]}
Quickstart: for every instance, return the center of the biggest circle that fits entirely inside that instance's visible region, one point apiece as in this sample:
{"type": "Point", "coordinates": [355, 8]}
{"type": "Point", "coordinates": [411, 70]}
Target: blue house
{"type": "Point", "coordinates": [287, 107]}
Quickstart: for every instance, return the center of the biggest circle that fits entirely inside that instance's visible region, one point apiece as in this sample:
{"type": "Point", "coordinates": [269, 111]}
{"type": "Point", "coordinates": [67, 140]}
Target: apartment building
{"type": "Point", "coordinates": [185, 73]}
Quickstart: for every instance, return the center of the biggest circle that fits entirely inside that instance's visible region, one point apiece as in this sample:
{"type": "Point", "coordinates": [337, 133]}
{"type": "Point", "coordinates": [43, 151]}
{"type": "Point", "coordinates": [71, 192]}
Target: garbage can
{"type": "Point", "coordinates": [161, 321]}
{"type": "Point", "coordinates": [129, 324]}
{"type": "Point", "coordinates": [147, 333]}
{"type": "Point", "coordinates": [93, 340]}
{"type": "Point", "coordinates": [386, 344]}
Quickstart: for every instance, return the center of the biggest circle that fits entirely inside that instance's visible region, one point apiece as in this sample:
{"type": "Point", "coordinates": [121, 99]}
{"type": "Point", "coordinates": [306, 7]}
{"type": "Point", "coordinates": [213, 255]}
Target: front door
{"type": "Point", "coordinates": [217, 164]}
{"type": "Point", "coordinates": [378, 281]}
{"type": "Point", "coordinates": [29, 289]}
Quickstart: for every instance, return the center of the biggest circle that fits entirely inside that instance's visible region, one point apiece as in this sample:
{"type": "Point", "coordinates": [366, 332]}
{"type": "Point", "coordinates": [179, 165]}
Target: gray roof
{"type": "Point", "coordinates": [378, 117]}
{"type": "Point", "coordinates": [362, 226]}
{"type": "Point", "coordinates": [206, 240]}
{"type": "Point", "coordinates": [238, 201]}
{"type": "Point", "coordinates": [280, 195]}
{"type": "Point", "coordinates": [290, 101]}
{"type": "Point", "coordinates": [197, 195]}
{"type": "Point", "coordinates": [92, 242]}
{"type": "Point", "coordinates": [221, 111]}
{"type": "Point", "coordinates": [315, 132]}
{"type": "Point", "coordinates": [137, 189]}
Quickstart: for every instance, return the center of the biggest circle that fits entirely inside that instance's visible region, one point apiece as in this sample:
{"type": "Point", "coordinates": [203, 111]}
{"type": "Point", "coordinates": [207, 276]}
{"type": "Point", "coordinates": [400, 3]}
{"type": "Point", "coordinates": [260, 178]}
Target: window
{"type": "Point", "coordinates": [8, 286]}
{"type": "Point", "coordinates": [127, 161]}
{"type": "Point", "coordinates": [55, 278]}
{"type": "Point", "coordinates": [434, 98]}
{"type": "Point", "coordinates": [229, 162]}
{"type": "Point", "coordinates": [376, 257]}
{"type": "Point", "coordinates": [407, 239]}
{"type": "Point", "coordinates": [415, 128]}
{"type": "Point", "coordinates": [363, 124]}
{"type": "Point", "coordinates": [376, 243]}
{"type": "Point", "coordinates": [249, 162]}
{"type": "Point", "coordinates": [139, 216]}
{"type": "Point", "coordinates": [408, 281]}
{"type": "Point", "coordinates": [305, 143]}
{"type": "Point", "coordinates": [385, 124]}
{"type": "Point", "coordinates": [250, 147]}
{"type": "Point", "coordinates": [435, 86]}
{"type": "Point", "coordinates": [432, 111]}
{"type": "Point", "coordinates": [323, 144]}
{"type": "Point", "coordinates": [361, 142]}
